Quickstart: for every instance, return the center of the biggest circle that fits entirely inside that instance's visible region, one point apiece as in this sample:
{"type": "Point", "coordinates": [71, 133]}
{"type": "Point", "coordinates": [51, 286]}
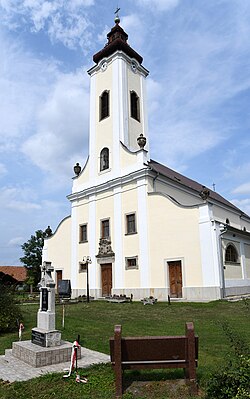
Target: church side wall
{"type": "Point", "coordinates": [57, 249]}
{"type": "Point", "coordinates": [221, 215]}
{"type": "Point", "coordinates": [247, 259]}
{"type": "Point", "coordinates": [174, 236]}
{"type": "Point", "coordinates": [183, 198]}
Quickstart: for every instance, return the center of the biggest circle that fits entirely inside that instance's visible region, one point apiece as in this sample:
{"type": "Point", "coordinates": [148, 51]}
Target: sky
{"type": "Point", "coordinates": [198, 55]}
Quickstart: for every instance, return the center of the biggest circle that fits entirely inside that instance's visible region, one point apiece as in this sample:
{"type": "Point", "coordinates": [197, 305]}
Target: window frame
{"type": "Point", "coordinates": [102, 228]}
{"type": "Point", "coordinates": [233, 254]}
{"type": "Point", "coordinates": [135, 106]}
{"type": "Point", "coordinates": [127, 232]}
{"type": "Point", "coordinates": [131, 267]}
{"type": "Point", "coordinates": [102, 154]}
{"type": "Point", "coordinates": [104, 109]}
{"type": "Point", "coordinates": [81, 234]}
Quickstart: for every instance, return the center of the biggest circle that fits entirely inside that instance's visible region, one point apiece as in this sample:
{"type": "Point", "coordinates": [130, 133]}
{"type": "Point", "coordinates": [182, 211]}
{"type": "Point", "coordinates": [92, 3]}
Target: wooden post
{"type": "Point", "coordinates": [190, 356]}
{"type": "Point", "coordinates": [118, 361]}
{"type": "Point", "coordinates": [63, 315]}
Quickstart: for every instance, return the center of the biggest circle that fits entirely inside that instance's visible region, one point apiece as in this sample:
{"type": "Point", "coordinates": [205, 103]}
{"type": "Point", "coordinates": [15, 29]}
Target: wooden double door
{"type": "Point", "coordinates": [175, 279]}
{"type": "Point", "coordinates": [106, 276]}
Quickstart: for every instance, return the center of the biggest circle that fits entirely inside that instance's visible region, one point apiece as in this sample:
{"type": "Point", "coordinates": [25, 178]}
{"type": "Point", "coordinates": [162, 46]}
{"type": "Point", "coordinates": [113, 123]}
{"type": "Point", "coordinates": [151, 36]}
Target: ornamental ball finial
{"type": "Point", "coordinates": [117, 18]}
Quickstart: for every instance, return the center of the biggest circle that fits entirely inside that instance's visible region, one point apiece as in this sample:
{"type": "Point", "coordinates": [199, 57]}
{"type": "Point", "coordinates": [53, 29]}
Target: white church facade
{"type": "Point", "coordinates": [148, 230]}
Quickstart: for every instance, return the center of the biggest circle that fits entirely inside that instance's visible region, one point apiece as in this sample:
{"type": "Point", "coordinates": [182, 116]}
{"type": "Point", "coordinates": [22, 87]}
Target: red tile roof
{"type": "Point", "coordinates": [19, 273]}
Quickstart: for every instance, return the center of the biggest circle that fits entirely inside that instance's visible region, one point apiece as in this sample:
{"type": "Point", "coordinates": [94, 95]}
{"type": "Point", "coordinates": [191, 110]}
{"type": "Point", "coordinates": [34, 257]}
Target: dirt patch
{"type": "Point", "coordinates": [175, 389]}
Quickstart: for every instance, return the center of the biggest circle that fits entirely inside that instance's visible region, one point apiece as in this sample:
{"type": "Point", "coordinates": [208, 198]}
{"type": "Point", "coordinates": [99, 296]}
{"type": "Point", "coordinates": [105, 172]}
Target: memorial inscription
{"type": "Point", "coordinates": [44, 299]}
{"type": "Point", "coordinates": [38, 338]}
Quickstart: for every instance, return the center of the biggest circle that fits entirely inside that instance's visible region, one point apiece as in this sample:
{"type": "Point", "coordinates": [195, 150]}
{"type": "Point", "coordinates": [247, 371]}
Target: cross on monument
{"type": "Point", "coordinates": [46, 278]}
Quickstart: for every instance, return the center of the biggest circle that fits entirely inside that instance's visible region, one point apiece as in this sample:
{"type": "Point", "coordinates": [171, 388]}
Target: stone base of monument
{"type": "Point", "coordinates": [38, 356]}
{"type": "Point", "coordinates": [45, 338]}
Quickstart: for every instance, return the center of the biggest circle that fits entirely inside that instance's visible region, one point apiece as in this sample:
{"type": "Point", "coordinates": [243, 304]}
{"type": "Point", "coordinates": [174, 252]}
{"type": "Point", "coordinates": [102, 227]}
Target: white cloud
{"type": "Point", "coordinates": [180, 141]}
{"type": "Point", "coordinates": [160, 5]}
{"type": "Point", "coordinates": [64, 21]}
{"type": "Point", "coordinates": [135, 27]}
{"type": "Point", "coordinates": [243, 204]}
{"type": "Point", "coordinates": [16, 242]}
{"type": "Point", "coordinates": [62, 128]}
{"type": "Point", "coordinates": [18, 198]}
{"type": "Point", "coordinates": [201, 68]}
{"type": "Point", "coordinates": [24, 82]}
{"type": "Point", "coordinates": [242, 189]}
{"type": "Point", "coordinates": [3, 170]}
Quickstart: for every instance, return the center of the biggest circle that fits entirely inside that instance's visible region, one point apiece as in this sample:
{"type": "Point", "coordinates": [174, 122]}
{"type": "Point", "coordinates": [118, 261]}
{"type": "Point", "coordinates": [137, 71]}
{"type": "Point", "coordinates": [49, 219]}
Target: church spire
{"type": "Point", "coordinates": [117, 40]}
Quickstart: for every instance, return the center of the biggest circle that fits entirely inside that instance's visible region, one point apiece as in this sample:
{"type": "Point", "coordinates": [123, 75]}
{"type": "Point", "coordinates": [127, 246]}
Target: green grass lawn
{"type": "Point", "coordinates": [95, 323]}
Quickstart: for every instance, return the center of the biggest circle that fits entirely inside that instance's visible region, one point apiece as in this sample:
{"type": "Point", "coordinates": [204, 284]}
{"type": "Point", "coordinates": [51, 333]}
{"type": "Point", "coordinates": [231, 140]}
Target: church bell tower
{"type": "Point", "coordinates": [118, 113]}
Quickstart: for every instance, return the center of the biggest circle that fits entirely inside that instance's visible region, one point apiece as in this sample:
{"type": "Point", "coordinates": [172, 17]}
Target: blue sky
{"type": "Point", "coordinates": [198, 55]}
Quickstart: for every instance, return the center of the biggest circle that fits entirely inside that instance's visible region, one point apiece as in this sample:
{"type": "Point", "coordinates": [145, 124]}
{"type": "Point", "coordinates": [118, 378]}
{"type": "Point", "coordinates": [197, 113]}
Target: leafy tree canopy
{"type": "Point", "coordinates": [32, 258]}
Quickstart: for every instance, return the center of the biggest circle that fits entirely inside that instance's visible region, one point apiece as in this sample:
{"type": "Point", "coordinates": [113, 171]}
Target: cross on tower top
{"type": "Point", "coordinates": [117, 18]}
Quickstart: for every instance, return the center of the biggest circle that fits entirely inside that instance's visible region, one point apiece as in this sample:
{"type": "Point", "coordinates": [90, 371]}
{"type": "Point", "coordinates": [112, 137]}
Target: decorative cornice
{"type": "Point", "coordinates": [119, 54]}
{"type": "Point", "coordinates": [234, 230]}
{"type": "Point", "coordinates": [111, 184]}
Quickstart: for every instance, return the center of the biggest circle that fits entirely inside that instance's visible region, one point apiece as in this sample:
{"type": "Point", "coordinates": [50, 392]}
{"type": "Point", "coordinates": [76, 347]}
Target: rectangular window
{"type": "Point", "coordinates": [134, 106]}
{"type": "Point", "coordinates": [105, 233]}
{"type": "Point", "coordinates": [131, 263]}
{"type": "Point", "coordinates": [83, 233]}
{"type": "Point", "coordinates": [104, 105]}
{"type": "Point", "coordinates": [130, 223]}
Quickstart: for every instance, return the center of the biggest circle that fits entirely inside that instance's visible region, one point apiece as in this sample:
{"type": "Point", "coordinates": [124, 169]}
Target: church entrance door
{"type": "Point", "coordinates": [175, 279]}
{"type": "Point", "coordinates": [106, 279]}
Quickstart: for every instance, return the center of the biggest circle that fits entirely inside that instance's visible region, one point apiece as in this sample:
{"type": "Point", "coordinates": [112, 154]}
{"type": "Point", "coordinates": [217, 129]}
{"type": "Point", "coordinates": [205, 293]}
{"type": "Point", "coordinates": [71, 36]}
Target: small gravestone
{"type": "Point", "coordinates": [45, 333]}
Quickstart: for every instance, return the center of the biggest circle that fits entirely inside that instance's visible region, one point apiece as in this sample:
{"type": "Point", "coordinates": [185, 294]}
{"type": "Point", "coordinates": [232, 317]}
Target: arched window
{"type": "Point", "coordinates": [135, 106]}
{"type": "Point", "coordinates": [104, 105]}
{"type": "Point", "coordinates": [231, 254]}
{"type": "Point", "coordinates": [104, 159]}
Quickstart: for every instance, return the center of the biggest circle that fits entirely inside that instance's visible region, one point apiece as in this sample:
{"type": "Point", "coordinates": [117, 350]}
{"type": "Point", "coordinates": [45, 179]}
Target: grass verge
{"type": "Point", "coordinates": [95, 323]}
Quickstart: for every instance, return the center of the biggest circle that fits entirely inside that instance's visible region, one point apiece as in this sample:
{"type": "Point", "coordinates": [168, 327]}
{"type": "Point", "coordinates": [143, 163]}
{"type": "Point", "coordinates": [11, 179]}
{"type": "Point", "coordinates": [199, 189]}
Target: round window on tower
{"type": "Point", "coordinates": [104, 65]}
{"type": "Point", "coordinates": [134, 66]}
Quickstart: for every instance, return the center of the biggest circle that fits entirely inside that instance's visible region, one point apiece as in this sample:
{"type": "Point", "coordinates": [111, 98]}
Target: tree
{"type": "Point", "coordinates": [32, 258]}
{"type": "Point", "coordinates": [9, 310]}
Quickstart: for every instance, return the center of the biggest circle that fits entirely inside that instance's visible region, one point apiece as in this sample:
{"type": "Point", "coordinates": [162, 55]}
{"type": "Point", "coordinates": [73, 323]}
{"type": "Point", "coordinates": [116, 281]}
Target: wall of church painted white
{"type": "Point", "coordinates": [237, 276]}
{"type": "Point", "coordinates": [184, 197]}
{"type": "Point", "coordinates": [57, 248]}
{"type": "Point", "coordinates": [221, 214]}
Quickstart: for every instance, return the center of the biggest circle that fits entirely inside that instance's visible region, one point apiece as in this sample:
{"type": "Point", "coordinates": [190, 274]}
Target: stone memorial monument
{"type": "Point", "coordinates": [45, 347]}
{"type": "Point", "coordinates": [45, 333]}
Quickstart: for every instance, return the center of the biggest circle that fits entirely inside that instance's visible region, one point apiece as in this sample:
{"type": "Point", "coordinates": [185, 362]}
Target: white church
{"type": "Point", "coordinates": [148, 230]}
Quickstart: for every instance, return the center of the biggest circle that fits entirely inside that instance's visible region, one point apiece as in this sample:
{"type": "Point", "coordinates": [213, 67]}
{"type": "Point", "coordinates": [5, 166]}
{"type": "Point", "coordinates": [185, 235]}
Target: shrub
{"type": "Point", "coordinates": [9, 310]}
{"type": "Point", "coordinates": [232, 380]}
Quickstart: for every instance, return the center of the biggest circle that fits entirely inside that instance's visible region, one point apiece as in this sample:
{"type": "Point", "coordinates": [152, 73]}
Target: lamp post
{"type": "Point", "coordinates": [86, 260]}
{"type": "Point", "coordinates": [223, 230]}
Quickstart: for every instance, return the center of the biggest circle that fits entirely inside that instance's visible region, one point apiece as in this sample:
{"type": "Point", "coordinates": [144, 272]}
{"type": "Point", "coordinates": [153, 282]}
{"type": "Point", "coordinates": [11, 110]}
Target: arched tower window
{"type": "Point", "coordinates": [231, 254]}
{"type": "Point", "coordinates": [104, 105]}
{"type": "Point", "coordinates": [104, 159]}
{"type": "Point", "coordinates": [135, 106]}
